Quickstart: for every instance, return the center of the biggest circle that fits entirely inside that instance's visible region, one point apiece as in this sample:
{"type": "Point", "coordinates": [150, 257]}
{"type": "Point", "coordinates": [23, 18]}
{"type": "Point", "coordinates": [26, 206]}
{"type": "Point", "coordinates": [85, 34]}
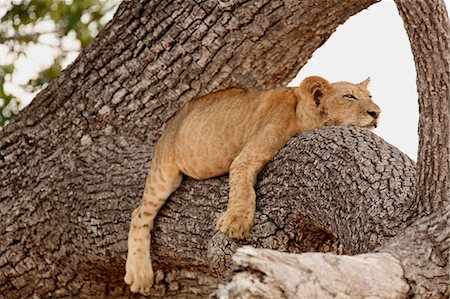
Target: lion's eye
{"type": "Point", "coordinates": [350, 96]}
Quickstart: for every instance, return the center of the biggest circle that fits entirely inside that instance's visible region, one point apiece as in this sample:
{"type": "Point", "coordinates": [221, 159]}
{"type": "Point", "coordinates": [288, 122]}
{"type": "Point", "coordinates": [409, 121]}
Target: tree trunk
{"type": "Point", "coordinates": [73, 163]}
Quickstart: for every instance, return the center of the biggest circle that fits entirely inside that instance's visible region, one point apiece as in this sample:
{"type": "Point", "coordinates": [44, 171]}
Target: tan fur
{"type": "Point", "coordinates": [236, 131]}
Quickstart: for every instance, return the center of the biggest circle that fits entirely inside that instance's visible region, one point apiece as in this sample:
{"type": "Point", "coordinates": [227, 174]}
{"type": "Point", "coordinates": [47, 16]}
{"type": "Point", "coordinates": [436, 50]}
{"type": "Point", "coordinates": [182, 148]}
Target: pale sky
{"type": "Point", "coordinates": [372, 43]}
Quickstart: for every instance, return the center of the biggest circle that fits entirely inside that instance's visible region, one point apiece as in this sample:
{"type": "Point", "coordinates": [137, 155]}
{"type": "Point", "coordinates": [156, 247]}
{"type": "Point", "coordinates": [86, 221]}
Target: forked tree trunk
{"type": "Point", "coordinates": [73, 163]}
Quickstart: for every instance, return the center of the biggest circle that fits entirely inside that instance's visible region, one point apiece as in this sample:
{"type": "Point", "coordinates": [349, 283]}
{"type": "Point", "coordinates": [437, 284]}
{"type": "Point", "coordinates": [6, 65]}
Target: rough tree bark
{"type": "Point", "coordinates": [73, 163]}
{"type": "Point", "coordinates": [418, 257]}
{"type": "Point", "coordinates": [428, 28]}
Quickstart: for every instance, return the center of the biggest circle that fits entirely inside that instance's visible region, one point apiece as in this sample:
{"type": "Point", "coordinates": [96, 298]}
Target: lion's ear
{"type": "Point", "coordinates": [315, 87]}
{"type": "Point", "coordinates": [365, 83]}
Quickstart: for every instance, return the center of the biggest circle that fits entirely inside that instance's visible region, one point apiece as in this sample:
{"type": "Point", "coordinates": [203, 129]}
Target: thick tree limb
{"type": "Point", "coordinates": [347, 180]}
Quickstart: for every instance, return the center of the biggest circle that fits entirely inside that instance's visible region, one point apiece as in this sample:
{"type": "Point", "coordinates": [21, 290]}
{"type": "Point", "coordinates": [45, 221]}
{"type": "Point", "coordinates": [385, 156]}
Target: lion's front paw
{"type": "Point", "coordinates": [236, 224]}
{"type": "Point", "coordinates": [139, 275]}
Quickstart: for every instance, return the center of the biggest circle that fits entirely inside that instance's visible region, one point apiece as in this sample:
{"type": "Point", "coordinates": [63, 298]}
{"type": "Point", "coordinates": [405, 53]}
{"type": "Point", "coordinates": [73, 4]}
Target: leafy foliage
{"type": "Point", "coordinates": [8, 105]}
{"type": "Point", "coordinates": [25, 23]}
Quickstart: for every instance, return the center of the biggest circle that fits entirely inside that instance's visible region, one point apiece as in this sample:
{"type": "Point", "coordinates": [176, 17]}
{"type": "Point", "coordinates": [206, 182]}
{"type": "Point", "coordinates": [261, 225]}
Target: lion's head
{"type": "Point", "coordinates": [342, 103]}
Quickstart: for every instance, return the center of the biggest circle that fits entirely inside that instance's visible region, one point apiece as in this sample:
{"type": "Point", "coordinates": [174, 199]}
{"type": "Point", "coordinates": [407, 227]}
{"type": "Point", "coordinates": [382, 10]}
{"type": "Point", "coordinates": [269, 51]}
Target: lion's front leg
{"type": "Point", "coordinates": [238, 219]}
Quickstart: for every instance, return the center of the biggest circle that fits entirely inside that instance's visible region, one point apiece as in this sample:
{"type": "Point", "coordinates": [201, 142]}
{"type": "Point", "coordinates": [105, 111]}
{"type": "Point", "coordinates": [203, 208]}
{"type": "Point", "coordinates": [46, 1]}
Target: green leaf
{"type": "Point", "coordinates": [7, 69]}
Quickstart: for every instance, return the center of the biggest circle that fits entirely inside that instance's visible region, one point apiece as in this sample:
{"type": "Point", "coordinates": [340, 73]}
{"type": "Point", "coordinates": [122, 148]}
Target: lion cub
{"type": "Point", "coordinates": [237, 131]}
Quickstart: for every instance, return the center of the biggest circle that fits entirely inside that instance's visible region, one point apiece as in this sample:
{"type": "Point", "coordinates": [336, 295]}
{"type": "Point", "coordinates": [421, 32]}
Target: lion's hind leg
{"type": "Point", "coordinates": [162, 180]}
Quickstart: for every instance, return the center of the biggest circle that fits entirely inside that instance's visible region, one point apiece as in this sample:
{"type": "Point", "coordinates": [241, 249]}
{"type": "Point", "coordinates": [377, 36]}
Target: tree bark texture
{"type": "Point", "coordinates": [428, 28]}
{"type": "Point", "coordinates": [423, 251]}
{"type": "Point", "coordinates": [74, 162]}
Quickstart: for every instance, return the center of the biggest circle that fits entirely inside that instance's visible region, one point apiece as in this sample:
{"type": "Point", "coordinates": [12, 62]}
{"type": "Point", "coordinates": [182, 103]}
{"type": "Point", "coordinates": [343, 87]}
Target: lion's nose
{"type": "Point", "coordinates": [374, 114]}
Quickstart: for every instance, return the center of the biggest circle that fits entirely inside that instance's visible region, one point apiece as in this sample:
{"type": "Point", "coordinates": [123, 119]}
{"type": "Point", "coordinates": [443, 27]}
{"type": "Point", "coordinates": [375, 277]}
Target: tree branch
{"type": "Point", "coordinates": [273, 274]}
{"type": "Point", "coordinates": [428, 28]}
